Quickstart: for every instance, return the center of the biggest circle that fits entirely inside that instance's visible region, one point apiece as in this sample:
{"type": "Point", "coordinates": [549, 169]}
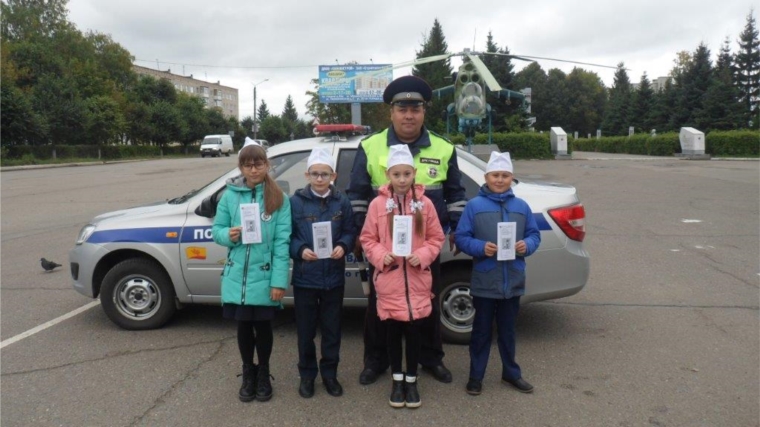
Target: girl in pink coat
{"type": "Point", "coordinates": [403, 284]}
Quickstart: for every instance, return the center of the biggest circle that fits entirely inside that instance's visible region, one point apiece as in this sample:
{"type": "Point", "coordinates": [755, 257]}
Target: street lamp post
{"type": "Point", "coordinates": [255, 125]}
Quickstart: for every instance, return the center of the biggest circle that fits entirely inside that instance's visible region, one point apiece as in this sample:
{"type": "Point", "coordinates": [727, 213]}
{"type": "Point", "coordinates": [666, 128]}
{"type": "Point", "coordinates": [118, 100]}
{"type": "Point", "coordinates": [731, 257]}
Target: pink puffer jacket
{"type": "Point", "coordinates": [399, 280]}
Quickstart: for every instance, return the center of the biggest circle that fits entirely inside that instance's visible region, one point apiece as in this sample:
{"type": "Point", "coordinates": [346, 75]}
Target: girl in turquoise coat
{"type": "Point", "coordinates": [255, 276]}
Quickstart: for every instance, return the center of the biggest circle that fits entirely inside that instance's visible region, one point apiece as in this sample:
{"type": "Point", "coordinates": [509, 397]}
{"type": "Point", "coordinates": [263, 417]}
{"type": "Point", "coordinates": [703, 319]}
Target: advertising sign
{"type": "Point", "coordinates": [353, 83]}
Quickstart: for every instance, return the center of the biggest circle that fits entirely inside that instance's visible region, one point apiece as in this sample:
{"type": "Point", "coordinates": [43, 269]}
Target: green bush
{"type": "Point", "coordinates": [733, 143]}
{"type": "Point", "coordinates": [522, 145]}
{"type": "Point", "coordinates": [665, 144]}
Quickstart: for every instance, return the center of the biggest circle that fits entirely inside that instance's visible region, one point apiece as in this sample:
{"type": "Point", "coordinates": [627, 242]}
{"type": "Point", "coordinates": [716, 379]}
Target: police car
{"type": "Point", "coordinates": [146, 262]}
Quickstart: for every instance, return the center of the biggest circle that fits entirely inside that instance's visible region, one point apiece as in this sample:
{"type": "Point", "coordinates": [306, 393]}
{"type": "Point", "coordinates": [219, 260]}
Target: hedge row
{"type": "Point", "coordinates": [717, 143]}
{"type": "Point", "coordinates": [108, 152]}
{"type": "Point", "coordinates": [523, 145]}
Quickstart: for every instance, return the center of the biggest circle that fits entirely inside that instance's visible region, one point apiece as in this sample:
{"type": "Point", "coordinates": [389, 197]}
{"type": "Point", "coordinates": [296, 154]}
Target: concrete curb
{"type": "Point", "coordinates": [68, 165]}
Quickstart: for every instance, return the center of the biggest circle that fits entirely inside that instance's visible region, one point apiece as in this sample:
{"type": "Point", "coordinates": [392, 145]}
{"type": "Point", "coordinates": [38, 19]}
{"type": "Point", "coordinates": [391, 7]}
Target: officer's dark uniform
{"type": "Point", "coordinates": [437, 168]}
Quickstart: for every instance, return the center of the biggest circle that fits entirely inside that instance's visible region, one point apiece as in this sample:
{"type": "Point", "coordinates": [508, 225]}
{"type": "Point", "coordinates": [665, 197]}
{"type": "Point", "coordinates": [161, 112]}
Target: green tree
{"type": "Point", "coordinates": [139, 129]}
{"type": "Point", "coordinates": [166, 125]}
{"type": "Point", "coordinates": [663, 107]}
{"type": "Point", "coordinates": [247, 124]}
{"type": "Point", "coordinates": [19, 123]}
{"type": "Point", "coordinates": [748, 71]}
{"type": "Point", "coordinates": [289, 110]}
{"type": "Point", "coordinates": [642, 105]}
{"type": "Point", "coordinates": [31, 19]}
{"type": "Point", "coordinates": [615, 121]}
{"type": "Point", "coordinates": [104, 121]}
{"type": "Point", "coordinates": [553, 111]}
{"type": "Point", "coordinates": [273, 130]}
{"type": "Point", "coordinates": [506, 113]}
{"type": "Point", "coordinates": [217, 124]}
{"type": "Point", "coordinates": [437, 74]}
{"type": "Point", "coordinates": [533, 77]}
{"type": "Point", "coordinates": [262, 111]}
{"type": "Point", "coordinates": [692, 83]}
{"type": "Point", "coordinates": [585, 100]}
{"type": "Point", "coordinates": [194, 122]}
{"type": "Point", "coordinates": [720, 106]}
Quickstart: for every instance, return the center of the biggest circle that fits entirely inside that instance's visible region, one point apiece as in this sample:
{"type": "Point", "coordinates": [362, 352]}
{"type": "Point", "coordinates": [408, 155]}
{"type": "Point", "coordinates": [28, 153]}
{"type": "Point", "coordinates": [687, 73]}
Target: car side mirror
{"type": "Point", "coordinates": [207, 208]}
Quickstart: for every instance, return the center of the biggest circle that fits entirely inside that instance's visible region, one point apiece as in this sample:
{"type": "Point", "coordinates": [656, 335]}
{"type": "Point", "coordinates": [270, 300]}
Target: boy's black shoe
{"type": "Point", "coordinates": [306, 389]}
{"type": "Point", "coordinates": [368, 376]}
{"type": "Point", "coordinates": [440, 372]}
{"type": "Point", "coordinates": [248, 390]}
{"type": "Point", "coordinates": [332, 386]}
{"type": "Point", "coordinates": [397, 394]}
{"type": "Point", "coordinates": [474, 387]}
{"type": "Point", "coordinates": [520, 384]}
{"type": "Point", "coordinates": [412, 396]}
{"type": "Point", "coordinates": [264, 386]}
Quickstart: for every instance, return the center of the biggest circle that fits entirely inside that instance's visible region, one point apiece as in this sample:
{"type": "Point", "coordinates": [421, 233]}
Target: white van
{"type": "Point", "coordinates": [216, 145]}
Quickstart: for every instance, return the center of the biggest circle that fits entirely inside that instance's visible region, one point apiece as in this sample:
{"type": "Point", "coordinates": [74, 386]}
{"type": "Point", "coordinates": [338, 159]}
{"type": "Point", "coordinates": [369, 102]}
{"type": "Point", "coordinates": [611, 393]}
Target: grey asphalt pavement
{"type": "Point", "coordinates": [666, 332]}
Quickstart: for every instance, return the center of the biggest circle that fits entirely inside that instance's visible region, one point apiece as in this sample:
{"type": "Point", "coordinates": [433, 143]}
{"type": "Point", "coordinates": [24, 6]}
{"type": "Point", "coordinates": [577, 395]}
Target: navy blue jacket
{"type": "Point", "coordinates": [492, 278]}
{"type": "Point", "coordinates": [306, 208]}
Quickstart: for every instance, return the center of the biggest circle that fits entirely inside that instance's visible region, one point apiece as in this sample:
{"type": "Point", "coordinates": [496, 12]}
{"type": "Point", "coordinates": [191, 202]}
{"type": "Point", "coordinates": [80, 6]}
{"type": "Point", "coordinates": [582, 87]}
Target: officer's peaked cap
{"type": "Point", "coordinates": [408, 90]}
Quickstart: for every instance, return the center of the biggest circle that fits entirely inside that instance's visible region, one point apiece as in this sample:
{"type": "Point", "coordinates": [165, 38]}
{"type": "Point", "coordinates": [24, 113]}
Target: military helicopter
{"type": "Point", "coordinates": [471, 81]}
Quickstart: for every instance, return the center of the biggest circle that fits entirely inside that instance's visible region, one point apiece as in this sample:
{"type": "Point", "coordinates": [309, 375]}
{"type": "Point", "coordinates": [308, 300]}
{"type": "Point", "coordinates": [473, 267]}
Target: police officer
{"type": "Point", "coordinates": [436, 162]}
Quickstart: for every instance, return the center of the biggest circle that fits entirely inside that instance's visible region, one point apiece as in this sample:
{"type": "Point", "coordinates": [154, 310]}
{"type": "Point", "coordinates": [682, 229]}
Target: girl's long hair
{"type": "Point", "coordinates": [273, 196]}
{"type": "Point", "coordinates": [419, 221]}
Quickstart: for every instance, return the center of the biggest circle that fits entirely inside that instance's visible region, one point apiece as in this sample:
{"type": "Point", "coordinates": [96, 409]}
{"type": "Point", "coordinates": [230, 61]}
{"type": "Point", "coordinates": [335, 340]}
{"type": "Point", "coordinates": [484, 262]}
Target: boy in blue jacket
{"type": "Point", "coordinates": [496, 286]}
{"type": "Point", "coordinates": [318, 272]}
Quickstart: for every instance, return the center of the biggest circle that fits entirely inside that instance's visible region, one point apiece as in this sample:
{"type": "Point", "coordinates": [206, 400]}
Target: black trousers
{"type": "Point", "coordinates": [407, 333]}
{"type": "Point", "coordinates": [318, 307]}
{"type": "Point", "coordinates": [375, 340]}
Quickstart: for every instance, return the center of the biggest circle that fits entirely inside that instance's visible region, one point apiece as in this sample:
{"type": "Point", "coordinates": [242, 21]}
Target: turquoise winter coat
{"type": "Point", "coordinates": [252, 269]}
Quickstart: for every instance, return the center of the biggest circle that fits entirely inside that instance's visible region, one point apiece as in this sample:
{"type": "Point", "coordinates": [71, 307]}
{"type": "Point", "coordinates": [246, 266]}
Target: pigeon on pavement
{"type": "Point", "coordinates": [48, 265]}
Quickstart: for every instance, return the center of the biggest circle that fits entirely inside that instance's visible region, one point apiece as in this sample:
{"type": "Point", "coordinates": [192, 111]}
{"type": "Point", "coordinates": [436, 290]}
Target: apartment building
{"type": "Point", "coordinates": [212, 94]}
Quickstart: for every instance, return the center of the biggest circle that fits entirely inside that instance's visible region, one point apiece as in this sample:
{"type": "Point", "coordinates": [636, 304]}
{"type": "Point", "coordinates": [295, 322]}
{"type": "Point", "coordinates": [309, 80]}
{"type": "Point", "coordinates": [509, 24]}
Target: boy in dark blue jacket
{"type": "Point", "coordinates": [496, 285]}
{"type": "Point", "coordinates": [318, 269]}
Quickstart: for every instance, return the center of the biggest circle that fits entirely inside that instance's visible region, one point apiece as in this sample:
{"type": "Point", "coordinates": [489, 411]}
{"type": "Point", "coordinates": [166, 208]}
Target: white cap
{"type": "Point", "coordinates": [499, 162]}
{"type": "Point", "coordinates": [249, 141]}
{"type": "Point", "coordinates": [400, 155]}
{"type": "Point", "coordinates": [321, 156]}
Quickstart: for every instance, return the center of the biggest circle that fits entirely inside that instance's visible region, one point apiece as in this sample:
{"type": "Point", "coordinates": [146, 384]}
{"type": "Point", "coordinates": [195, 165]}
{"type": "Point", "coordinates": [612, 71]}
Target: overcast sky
{"type": "Point", "coordinates": [240, 42]}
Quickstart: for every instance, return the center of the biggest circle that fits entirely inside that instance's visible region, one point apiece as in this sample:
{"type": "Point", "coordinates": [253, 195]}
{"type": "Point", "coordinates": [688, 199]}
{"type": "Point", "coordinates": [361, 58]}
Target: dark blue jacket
{"type": "Point", "coordinates": [492, 278]}
{"type": "Point", "coordinates": [306, 209]}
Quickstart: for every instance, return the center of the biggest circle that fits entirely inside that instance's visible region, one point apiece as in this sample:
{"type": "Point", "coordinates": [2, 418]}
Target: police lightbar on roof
{"type": "Point", "coordinates": [336, 128]}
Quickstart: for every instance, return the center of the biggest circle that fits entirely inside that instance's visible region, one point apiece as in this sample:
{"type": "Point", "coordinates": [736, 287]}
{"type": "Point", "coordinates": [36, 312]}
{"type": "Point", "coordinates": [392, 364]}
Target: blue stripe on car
{"type": "Point", "coordinates": [138, 235]}
{"type": "Point", "coordinates": [541, 221]}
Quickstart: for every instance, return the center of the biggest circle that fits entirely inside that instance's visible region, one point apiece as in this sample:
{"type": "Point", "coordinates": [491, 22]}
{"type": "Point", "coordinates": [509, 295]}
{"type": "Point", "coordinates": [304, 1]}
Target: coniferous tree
{"type": "Point", "coordinates": [694, 84]}
{"type": "Point", "coordinates": [554, 111]}
{"type": "Point", "coordinates": [262, 112]}
{"type": "Point", "coordinates": [585, 100]}
{"type": "Point", "coordinates": [616, 114]}
{"type": "Point", "coordinates": [504, 110]}
{"type": "Point", "coordinates": [662, 110]}
{"type": "Point", "coordinates": [642, 106]}
{"type": "Point", "coordinates": [747, 62]}
{"type": "Point", "coordinates": [437, 74]}
{"type": "Point", "coordinates": [721, 108]}
{"type": "Point", "coordinates": [289, 111]}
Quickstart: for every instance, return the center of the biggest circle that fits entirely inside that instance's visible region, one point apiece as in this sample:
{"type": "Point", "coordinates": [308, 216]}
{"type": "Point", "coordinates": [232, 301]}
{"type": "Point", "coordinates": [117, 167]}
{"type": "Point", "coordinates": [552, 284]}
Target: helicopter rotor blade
{"type": "Point", "coordinates": [533, 58]}
{"type": "Point", "coordinates": [509, 56]}
{"type": "Point", "coordinates": [490, 80]}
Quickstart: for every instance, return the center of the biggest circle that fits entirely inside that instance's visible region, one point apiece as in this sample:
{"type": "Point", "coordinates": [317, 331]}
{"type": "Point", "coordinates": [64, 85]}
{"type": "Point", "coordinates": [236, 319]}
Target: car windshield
{"type": "Point", "coordinates": [211, 141]}
{"type": "Point", "coordinates": [191, 193]}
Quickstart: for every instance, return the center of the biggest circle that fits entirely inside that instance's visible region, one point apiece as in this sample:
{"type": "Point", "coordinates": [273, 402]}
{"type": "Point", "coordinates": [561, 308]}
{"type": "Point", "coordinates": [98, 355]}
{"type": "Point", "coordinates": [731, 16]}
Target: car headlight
{"type": "Point", "coordinates": [85, 233]}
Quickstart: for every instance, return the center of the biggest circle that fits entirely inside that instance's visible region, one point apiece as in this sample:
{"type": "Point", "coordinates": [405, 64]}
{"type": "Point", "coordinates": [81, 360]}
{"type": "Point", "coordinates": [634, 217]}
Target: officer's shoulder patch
{"type": "Point", "coordinates": [440, 136]}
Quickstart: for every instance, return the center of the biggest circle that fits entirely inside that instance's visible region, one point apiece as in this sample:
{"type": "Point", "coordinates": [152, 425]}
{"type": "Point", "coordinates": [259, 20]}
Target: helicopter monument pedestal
{"type": "Point", "coordinates": [558, 139]}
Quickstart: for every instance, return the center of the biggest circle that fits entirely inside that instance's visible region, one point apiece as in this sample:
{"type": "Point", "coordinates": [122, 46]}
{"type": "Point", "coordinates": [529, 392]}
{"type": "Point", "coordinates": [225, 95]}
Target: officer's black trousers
{"type": "Point", "coordinates": [375, 350]}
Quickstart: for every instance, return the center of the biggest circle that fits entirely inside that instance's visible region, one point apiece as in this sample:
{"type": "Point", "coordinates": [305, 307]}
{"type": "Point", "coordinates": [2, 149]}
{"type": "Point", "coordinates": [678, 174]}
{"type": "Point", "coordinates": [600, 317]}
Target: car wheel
{"type": "Point", "coordinates": [202, 155]}
{"type": "Point", "coordinates": [455, 303]}
{"type": "Point", "coordinates": [138, 294]}
{"type": "Point", "coordinates": [227, 154]}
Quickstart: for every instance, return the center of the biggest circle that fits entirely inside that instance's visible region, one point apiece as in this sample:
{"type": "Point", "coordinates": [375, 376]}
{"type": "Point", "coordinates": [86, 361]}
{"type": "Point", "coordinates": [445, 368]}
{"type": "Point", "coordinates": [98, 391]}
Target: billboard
{"type": "Point", "coordinates": [353, 83]}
